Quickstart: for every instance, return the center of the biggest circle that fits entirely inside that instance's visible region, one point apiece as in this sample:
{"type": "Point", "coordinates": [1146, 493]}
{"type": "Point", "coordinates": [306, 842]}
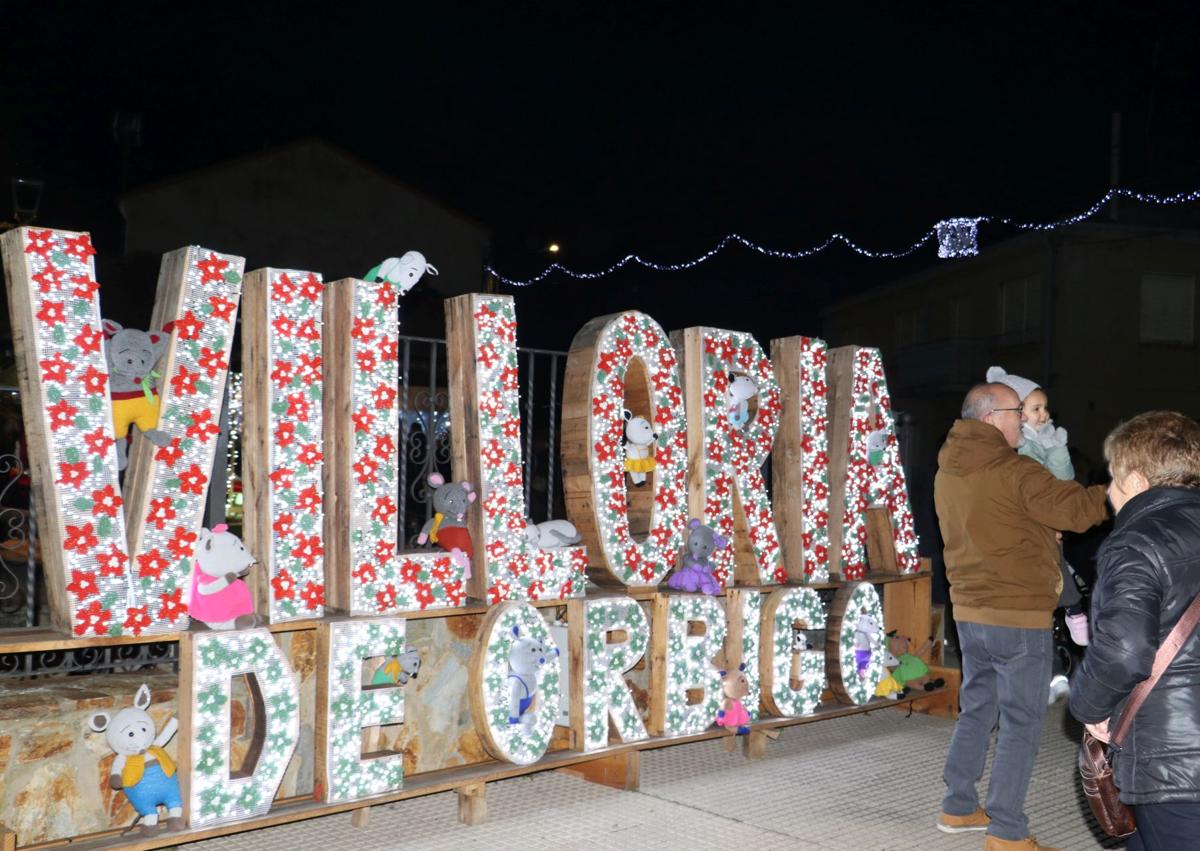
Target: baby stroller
{"type": "Point", "coordinates": [1067, 654]}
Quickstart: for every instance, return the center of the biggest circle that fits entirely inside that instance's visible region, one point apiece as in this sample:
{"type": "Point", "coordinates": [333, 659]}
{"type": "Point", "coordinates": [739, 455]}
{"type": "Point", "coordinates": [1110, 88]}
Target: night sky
{"type": "Point", "coordinates": [654, 129]}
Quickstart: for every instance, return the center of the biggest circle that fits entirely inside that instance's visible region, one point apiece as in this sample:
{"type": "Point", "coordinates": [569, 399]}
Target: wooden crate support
{"type": "Point", "coordinates": [906, 608]}
{"type": "Point", "coordinates": [472, 803]}
{"type": "Point", "coordinates": [337, 378]}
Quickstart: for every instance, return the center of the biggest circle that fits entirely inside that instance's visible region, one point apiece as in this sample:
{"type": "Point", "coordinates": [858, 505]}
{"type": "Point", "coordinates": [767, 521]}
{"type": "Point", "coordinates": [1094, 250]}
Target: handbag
{"type": "Point", "coordinates": [1095, 770]}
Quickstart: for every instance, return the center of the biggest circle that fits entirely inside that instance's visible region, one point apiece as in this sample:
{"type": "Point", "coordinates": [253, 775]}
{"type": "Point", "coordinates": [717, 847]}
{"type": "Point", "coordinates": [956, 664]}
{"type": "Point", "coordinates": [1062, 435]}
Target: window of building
{"type": "Point", "coordinates": [1168, 309]}
{"type": "Point", "coordinates": [1020, 305]}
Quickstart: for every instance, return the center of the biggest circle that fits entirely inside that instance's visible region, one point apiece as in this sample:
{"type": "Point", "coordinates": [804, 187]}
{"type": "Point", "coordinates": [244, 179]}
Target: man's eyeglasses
{"type": "Point", "coordinates": [998, 410]}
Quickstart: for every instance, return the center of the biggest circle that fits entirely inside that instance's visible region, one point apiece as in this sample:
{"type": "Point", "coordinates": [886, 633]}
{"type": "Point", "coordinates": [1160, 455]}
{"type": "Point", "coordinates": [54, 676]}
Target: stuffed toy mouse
{"type": "Point", "coordinates": [133, 387]}
{"type": "Point", "coordinates": [696, 573]}
{"type": "Point", "coordinates": [448, 526]}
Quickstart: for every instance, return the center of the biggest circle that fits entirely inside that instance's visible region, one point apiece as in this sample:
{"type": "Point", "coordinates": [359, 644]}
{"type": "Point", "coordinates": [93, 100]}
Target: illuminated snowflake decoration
{"type": "Point", "coordinates": [217, 657]}
{"type": "Point", "coordinates": [957, 237]}
{"type": "Point", "coordinates": [783, 609]}
{"type": "Point", "coordinates": [492, 685]}
{"type": "Point", "coordinates": [606, 695]}
{"type": "Point", "coordinates": [689, 663]}
{"type": "Point", "coordinates": [351, 707]}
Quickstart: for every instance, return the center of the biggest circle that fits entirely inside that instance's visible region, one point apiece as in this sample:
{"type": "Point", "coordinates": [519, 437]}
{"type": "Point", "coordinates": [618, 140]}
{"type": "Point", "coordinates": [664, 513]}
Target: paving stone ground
{"type": "Point", "coordinates": [859, 783]}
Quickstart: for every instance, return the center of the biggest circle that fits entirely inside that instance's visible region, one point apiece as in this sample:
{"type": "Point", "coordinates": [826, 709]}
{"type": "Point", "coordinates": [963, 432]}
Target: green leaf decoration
{"type": "Point", "coordinates": [60, 258]}
{"type": "Point", "coordinates": [72, 455]}
{"type": "Point", "coordinates": [80, 308]}
{"type": "Point", "coordinates": [232, 277]}
{"type": "Point", "coordinates": [53, 394]}
{"type": "Point", "coordinates": [83, 504]}
{"type": "Point", "coordinates": [203, 386]}
{"type": "Point", "coordinates": [95, 405]}
{"type": "Point", "coordinates": [104, 527]}
{"type": "Point", "coordinates": [173, 483]}
{"type": "Point", "coordinates": [81, 422]}
{"type": "Point", "coordinates": [59, 335]}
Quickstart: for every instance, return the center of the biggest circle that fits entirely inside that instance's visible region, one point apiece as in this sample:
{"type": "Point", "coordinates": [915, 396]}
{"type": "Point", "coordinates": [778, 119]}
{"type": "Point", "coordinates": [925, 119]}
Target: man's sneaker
{"type": "Point", "coordinates": [1077, 625]}
{"type": "Point", "coordinates": [977, 820]}
{"type": "Point", "coordinates": [995, 843]}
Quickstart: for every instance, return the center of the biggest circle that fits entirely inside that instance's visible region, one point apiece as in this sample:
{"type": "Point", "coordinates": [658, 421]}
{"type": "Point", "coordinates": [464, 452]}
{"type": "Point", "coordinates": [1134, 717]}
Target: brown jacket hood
{"type": "Point", "coordinates": [998, 513]}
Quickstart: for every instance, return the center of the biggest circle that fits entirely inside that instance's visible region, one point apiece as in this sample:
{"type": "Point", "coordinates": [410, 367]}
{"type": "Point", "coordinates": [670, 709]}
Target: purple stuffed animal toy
{"type": "Point", "coordinates": [696, 573]}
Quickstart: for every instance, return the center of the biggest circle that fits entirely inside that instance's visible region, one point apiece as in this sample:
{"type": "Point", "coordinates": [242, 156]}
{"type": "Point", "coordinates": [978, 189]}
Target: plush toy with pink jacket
{"type": "Point", "coordinates": [220, 598]}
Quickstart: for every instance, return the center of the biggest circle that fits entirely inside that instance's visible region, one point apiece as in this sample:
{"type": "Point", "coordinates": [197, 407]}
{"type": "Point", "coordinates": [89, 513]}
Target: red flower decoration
{"type": "Point", "coordinates": [363, 420]}
{"type": "Point", "coordinates": [385, 447]}
{"type": "Point", "coordinates": [424, 594]}
{"type": "Point", "coordinates": [386, 599]}
{"type": "Point", "coordinates": [283, 289]}
{"type": "Point", "coordinates": [212, 269]}
{"type": "Point", "coordinates": [283, 525]}
{"type": "Point", "coordinates": [365, 359]}
{"type": "Point", "coordinates": [95, 380]}
{"type": "Point", "coordinates": [310, 454]}
{"type": "Point", "coordinates": [55, 368]}
{"type": "Point", "coordinates": [222, 307]}
{"type": "Point", "coordinates": [88, 339]}
{"type": "Point", "coordinates": [172, 606]}
{"type": "Point", "coordinates": [388, 348]}
{"type": "Point", "coordinates": [363, 329]}
{"type": "Point", "coordinates": [385, 295]}
{"type": "Point", "coordinates": [106, 501]}
{"type": "Point", "coordinates": [311, 288]}
{"type": "Point", "coordinates": [113, 562]}
{"type": "Point", "coordinates": [298, 406]}
{"type": "Point", "coordinates": [137, 618]}
{"type": "Point", "coordinates": [212, 362]}
{"type": "Point", "coordinates": [285, 433]}
{"type": "Point", "coordinates": [308, 499]}
{"type": "Point", "coordinates": [364, 573]}
{"type": "Point", "coordinates": [383, 395]}
{"type": "Point", "coordinates": [188, 326]}
{"type": "Point", "coordinates": [94, 618]}
{"type": "Point", "coordinates": [365, 470]}
{"type": "Point", "coordinates": [281, 478]}
{"type": "Point", "coordinates": [80, 538]}
{"type": "Point", "coordinates": [183, 383]}
{"type": "Point", "coordinates": [310, 366]}
{"type": "Point", "coordinates": [308, 330]}
{"type": "Point", "coordinates": [313, 595]}
{"type": "Point", "coordinates": [384, 509]}
{"type": "Point", "coordinates": [62, 414]}
{"type": "Point", "coordinates": [83, 584]}
{"type": "Point", "coordinates": [202, 427]}
{"type": "Point", "coordinates": [51, 313]}
{"type": "Point", "coordinates": [161, 511]}
{"type": "Point", "coordinates": [40, 242]}
{"type": "Point", "coordinates": [308, 549]}
{"type": "Point", "coordinates": [72, 475]}
{"type": "Point", "coordinates": [410, 571]}
{"type": "Point", "coordinates": [79, 247]}
{"type": "Point", "coordinates": [282, 373]}
{"type": "Point", "coordinates": [170, 453]}
{"type": "Point", "coordinates": [48, 279]}
{"type": "Point", "coordinates": [284, 326]}
{"type": "Point", "coordinates": [183, 543]}
{"type": "Point", "coordinates": [151, 564]}
{"type": "Point", "coordinates": [284, 585]}
{"type": "Point", "coordinates": [192, 480]}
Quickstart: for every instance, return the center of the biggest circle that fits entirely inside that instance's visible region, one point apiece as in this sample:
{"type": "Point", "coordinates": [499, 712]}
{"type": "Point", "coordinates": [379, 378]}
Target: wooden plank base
{"type": "Point", "coordinates": [360, 817]}
{"type": "Point", "coordinates": [466, 777]}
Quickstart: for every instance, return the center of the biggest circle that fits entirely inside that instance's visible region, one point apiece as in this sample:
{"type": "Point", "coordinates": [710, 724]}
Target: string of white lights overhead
{"type": "Point", "coordinates": [956, 237]}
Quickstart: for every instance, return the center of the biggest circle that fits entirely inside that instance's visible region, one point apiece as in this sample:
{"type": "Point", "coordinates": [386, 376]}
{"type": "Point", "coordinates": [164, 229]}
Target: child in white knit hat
{"type": "Point", "coordinates": [1048, 446]}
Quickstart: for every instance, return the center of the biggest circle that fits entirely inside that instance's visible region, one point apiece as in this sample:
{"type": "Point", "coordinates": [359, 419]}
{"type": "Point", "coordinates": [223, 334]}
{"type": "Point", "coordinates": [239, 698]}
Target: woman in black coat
{"type": "Point", "coordinates": [1148, 574]}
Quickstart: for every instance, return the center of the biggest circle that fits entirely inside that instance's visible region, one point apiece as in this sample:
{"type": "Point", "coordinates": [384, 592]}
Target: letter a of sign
{"type": "Point", "coordinates": [101, 580]}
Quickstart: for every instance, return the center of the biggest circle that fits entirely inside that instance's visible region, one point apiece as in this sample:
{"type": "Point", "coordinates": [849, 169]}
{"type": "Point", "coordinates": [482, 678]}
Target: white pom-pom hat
{"type": "Point", "coordinates": [1022, 386]}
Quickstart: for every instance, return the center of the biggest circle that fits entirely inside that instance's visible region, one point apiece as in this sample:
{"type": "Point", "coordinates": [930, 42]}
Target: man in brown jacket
{"type": "Point", "coordinates": [999, 514]}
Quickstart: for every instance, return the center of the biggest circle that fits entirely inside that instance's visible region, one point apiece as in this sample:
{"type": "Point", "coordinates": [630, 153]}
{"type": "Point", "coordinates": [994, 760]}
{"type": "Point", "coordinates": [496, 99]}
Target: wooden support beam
{"type": "Point", "coordinates": [360, 817]}
{"type": "Point", "coordinates": [472, 803]}
{"type": "Point", "coordinates": [620, 771]}
{"type": "Point", "coordinates": [754, 744]}
{"type": "Point", "coordinates": [8, 839]}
